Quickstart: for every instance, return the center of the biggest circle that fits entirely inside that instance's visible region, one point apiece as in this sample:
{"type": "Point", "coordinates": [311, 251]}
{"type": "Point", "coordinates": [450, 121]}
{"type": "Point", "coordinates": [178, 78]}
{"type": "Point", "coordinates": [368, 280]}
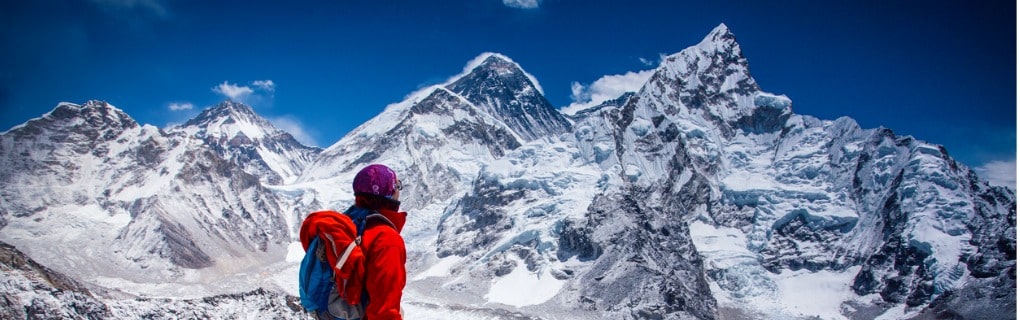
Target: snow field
{"type": "Point", "coordinates": [792, 293]}
{"type": "Point", "coordinates": [522, 287]}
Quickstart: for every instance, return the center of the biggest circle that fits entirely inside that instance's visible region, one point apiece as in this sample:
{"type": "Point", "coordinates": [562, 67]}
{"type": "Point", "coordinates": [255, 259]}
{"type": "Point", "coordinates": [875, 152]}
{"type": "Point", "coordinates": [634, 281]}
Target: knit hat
{"type": "Point", "coordinates": [375, 179]}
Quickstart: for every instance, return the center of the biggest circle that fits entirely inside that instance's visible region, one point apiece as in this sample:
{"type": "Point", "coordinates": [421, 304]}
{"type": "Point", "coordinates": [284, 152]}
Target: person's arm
{"type": "Point", "coordinates": [385, 276]}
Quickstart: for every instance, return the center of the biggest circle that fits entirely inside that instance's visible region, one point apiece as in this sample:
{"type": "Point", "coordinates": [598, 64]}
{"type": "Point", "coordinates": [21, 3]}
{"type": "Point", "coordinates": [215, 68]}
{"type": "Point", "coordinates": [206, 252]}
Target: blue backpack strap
{"type": "Point", "coordinates": [360, 216]}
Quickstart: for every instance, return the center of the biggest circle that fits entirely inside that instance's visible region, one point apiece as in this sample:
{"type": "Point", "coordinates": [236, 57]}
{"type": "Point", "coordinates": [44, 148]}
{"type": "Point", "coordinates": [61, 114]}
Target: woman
{"type": "Point", "coordinates": [377, 190]}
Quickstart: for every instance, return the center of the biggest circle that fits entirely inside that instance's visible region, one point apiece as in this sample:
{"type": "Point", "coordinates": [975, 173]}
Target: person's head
{"type": "Point", "coordinates": [374, 183]}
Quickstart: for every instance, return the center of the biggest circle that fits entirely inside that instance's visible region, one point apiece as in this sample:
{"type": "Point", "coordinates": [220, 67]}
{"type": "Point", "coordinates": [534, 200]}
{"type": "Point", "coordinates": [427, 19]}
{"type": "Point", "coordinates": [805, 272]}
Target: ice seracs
{"type": "Point", "coordinates": [698, 196]}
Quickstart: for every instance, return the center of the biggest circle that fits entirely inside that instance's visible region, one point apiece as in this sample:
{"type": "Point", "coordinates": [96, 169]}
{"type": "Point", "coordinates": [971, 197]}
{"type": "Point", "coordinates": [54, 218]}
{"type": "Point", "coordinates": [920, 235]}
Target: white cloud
{"type": "Point", "coordinates": [999, 173]}
{"type": "Point", "coordinates": [259, 93]}
{"type": "Point", "coordinates": [605, 88]}
{"type": "Point", "coordinates": [233, 91]}
{"type": "Point", "coordinates": [296, 129]}
{"type": "Point", "coordinates": [266, 85]}
{"type": "Point", "coordinates": [653, 62]}
{"type": "Point", "coordinates": [178, 106]}
{"type": "Point", "coordinates": [522, 4]}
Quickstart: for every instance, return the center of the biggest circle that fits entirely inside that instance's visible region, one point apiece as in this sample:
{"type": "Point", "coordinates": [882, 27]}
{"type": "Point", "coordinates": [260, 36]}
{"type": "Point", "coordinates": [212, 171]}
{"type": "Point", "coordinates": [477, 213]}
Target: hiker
{"type": "Point", "coordinates": [354, 261]}
{"type": "Point", "coordinates": [377, 188]}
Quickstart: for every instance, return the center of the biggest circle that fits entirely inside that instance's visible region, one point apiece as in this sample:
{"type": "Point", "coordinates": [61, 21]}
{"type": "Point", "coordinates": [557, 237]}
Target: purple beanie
{"type": "Point", "coordinates": [375, 179]}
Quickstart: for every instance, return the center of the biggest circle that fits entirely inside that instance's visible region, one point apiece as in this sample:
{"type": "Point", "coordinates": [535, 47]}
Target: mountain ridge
{"type": "Point", "coordinates": [699, 196]}
{"type": "Point", "coordinates": [119, 190]}
{"type": "Point", "coordinates": [251, 142]}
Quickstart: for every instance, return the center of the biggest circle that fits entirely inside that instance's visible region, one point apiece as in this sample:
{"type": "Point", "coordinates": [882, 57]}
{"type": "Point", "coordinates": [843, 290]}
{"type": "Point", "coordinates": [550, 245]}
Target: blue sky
{"type": "Point", "coordinates": [941, 71]}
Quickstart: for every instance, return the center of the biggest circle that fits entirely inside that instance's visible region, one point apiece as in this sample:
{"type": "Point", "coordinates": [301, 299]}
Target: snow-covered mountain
{"type": "Point", "coordinates": [501, 88]}
{"type": "Point", "coordinates": [90, 192]}
{"type": "Point", "coordinates": [699, 196]}
{"type": "Point", "coordinates": [250, 142]}
{"type": "Point", "coordinates": [774, 199]}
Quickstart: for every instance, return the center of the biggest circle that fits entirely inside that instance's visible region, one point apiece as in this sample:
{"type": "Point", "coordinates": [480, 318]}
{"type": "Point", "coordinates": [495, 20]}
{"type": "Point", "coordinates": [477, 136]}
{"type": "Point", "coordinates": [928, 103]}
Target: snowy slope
{"type": "Point", "coordinates": [699, 196]}
{"type": "Point", "coordinates": [92, 193]}
{"type": "Point", "coordinates": [250, 142]}
{"type": "Point", "coordinates": [807, 195]}
{"type": "Point", "coordinates": [32, 291]}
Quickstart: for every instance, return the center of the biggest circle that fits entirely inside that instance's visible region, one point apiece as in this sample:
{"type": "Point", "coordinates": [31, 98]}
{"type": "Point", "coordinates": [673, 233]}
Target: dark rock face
{"type": "Point", "coordinates": [784, 252]}
{"type": "Point", "coordinates": [985, 298]}
{"type": "Point", "coordinates": [503, 90]}
{"type": "Point", "coordinates": [764, 120]}
{"type": "Point", "coordinates": [649, 268]}
{"type": "Point", "coordinates": [992, 292]}
{"type": "Point", "coordinates": [472, 130]}
{"type": "Point", "coordinates": [33, 291]}
{"type": "Point", "coordinates": [576, 241]}
{"type": "Point", "coordinates": [181, 249]}
{"type": "Point", "coordinates": [486, 220]}
{"type": "Point", "coordinates": [86, 126]}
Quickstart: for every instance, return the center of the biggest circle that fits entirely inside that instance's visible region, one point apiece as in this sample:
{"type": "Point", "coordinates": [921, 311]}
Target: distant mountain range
{"type": "Point", "coordinates": [699, 196]}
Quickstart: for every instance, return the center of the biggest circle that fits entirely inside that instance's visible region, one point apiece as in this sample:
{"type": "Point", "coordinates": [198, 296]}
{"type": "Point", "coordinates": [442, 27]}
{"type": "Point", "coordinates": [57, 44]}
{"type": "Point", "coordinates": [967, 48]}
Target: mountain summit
{"type": "Point", "coordinates": [501, 88]}
{"type": "Point", "coordinates": [720, 38]}
{"type": "Point", "coordinates": [230, 119]}
{"type": "Point", "coordinates": [91, 176]}
{"type": "Point", "coordinates": [250, 142]}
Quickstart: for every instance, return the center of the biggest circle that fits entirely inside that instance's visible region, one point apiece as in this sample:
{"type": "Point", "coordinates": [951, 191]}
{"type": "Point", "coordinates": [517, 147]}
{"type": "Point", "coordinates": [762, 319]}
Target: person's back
{"type": "Point", "coordinates": [377, 189]}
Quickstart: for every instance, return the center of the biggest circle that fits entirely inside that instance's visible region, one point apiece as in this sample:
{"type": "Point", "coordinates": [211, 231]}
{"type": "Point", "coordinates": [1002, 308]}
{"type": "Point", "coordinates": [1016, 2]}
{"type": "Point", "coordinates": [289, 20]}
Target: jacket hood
{"type": "Point", "coordinates": [396, 217]}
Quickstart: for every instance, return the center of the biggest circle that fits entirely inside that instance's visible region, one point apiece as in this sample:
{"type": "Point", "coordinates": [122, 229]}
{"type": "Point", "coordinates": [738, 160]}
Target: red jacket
{"type": "Point", "coordinates": [385, 273]}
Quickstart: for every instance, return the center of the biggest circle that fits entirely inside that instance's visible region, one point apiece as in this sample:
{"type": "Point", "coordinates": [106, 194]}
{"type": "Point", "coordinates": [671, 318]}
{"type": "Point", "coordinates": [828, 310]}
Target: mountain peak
{"type": "Point", "coordinates": [94, 113]}
{"type": "Point", "coordinates": [229, 117]}
{"type": "Point", "coordinates": [720, 45]}
{"type": "Point", "coordinates": [714, 67]}
{"type": "Point", "coordinates": [498, 61]}
{"type": "Point", "coordinates": [720, 32]}
{"type": "Point", "coordinates": [503, 89]}
{"type": "Point", "coordinates": [721, 39]}
{"type": "Point", "coordinates": [229, 120]}
{"type": "Point", "coordinates": [96, 104]}
{"type": "Point", "coordinates": [496, 64]}
{"type": "Point", "coordinates": [233, 105]}
{"type": "Point", "coordinates": [496, 57]}
{"type": "Point", "coordinates": [250, 141]}
{"type": "Point", "coordinates": [226, 109]}
{"type": "Point", "coordinates": [500, 66]}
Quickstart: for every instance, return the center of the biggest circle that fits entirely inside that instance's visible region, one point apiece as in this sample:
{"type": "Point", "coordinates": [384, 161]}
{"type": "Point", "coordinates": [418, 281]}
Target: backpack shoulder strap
{"type": "Point", "coordinates": [361, 216]}
{"type": "Point", "coordinates": [332, 243]}
{"type": "Point", "coordinates": [379, 216]}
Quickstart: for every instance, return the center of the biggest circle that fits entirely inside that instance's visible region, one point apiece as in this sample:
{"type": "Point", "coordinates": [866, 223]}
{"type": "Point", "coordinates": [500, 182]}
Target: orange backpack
{"type": "Point", "coordinates": [336, 255]}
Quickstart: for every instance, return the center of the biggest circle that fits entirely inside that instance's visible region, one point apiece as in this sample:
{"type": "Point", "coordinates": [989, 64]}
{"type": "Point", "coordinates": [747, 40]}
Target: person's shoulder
{"type": "Point", "coordinates": [384, 238]}
{"type": "Point", "coordinates": [382, 230]}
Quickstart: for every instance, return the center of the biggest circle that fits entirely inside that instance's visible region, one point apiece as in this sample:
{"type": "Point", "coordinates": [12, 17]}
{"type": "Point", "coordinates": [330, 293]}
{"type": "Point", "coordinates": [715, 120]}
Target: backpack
{"type": "Point", "coordinates": [331, 278]}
